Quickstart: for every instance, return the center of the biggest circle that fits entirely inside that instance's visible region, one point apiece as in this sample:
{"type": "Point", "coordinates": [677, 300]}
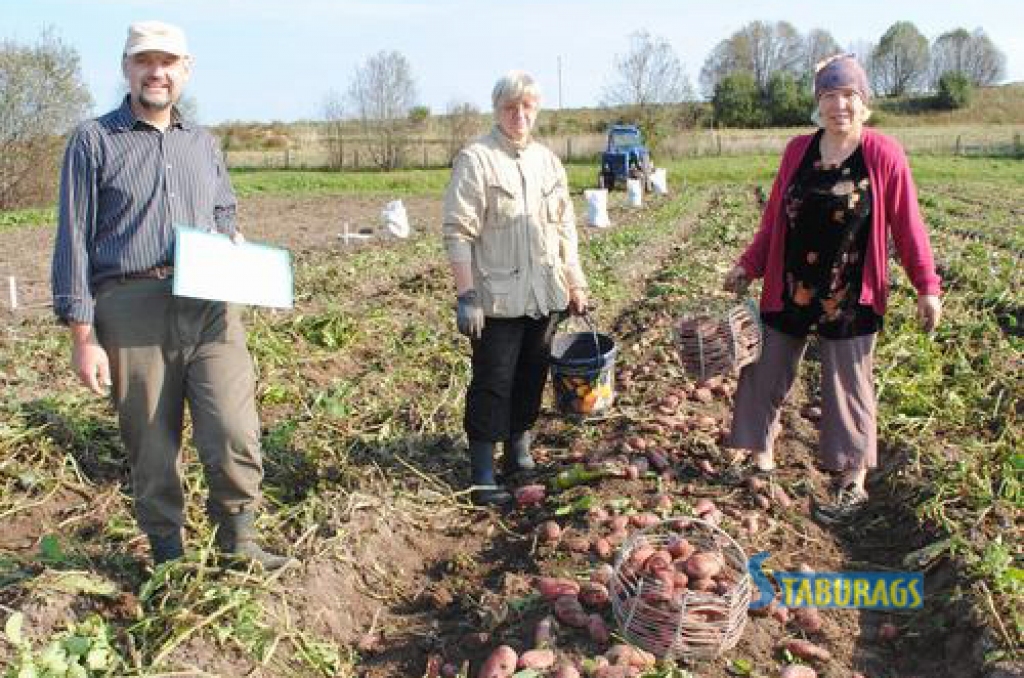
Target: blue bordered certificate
{"type": "Point", "coordinates": [210, 266]}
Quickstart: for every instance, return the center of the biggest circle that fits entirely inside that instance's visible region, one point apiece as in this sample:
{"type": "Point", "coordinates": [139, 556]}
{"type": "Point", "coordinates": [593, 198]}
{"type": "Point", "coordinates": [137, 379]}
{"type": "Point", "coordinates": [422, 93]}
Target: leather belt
{"type": "Point", "coordinates": [155, 273]}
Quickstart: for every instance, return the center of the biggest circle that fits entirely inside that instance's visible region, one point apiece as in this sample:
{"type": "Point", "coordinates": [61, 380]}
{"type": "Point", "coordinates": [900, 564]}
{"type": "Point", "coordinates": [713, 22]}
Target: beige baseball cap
{"type": "Point", "coordinates": [155, 36]}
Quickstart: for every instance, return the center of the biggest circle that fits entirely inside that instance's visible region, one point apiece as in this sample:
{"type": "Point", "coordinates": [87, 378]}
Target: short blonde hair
{"type": "Point", "coordinates": [514, 86]}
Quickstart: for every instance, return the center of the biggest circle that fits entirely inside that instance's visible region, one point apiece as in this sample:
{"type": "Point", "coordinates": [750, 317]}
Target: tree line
{"type": "Point", "coordinates": [758, 76]}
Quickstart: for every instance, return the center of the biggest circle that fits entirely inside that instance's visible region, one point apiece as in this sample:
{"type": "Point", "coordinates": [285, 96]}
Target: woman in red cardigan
{"type": "Point", "coordinates": [822, 251]}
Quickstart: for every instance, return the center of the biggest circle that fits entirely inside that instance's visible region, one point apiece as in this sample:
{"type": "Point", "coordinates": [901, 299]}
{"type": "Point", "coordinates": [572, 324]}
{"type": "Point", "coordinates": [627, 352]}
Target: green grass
{"type": "Point", "coordinates": [324, 182]}
{"type": "Point", "coordinates": [13, 219]}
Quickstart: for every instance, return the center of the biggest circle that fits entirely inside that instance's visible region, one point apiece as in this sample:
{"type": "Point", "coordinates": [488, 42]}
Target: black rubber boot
{"type": "Point", "coordinates": [486, 492]}
{"type": "Point", "coordinates": [236, 536]}
{"type": "Point", "coordinates": [164, 547]}
{"type": "Point", "coordinates": [517, 454]}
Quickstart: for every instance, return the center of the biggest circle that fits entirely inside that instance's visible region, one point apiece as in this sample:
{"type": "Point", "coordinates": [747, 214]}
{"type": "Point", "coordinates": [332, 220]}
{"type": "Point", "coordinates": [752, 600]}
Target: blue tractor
{"type": "Point", "coordinates": [626, 157]}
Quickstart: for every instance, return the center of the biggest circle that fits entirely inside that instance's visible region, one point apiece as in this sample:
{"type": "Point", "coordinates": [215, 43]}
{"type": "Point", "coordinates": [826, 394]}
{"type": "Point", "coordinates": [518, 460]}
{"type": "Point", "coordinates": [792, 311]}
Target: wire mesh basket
{"type": "Point", "coordinates": [719, 343]}
{"type": "Point", "coordinates": [665, 614]}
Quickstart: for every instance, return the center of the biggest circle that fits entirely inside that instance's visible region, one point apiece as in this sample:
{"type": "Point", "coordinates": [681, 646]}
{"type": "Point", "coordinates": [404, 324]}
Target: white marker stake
{"type": "Point", "coordinates": [12, 287]}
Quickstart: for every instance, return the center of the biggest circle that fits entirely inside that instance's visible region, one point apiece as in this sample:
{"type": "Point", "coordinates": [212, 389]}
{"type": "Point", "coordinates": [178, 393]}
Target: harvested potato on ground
{"type": "Point", "coordinates": [501, 663]}
{"type": "Point", "coordinates": [593, 594]}
{"type": "Point", "coordinates": [548, 532]}
{"type": "Point", "coordinates": [798, 671]}
{"type": "Point", "coordinates": [569, 611]}
{"type": "Point", "coordinates": [805, 649]}
{"type": "Point", "coordinates": [536, 659]}
{"type": "Point", "coordinates": [545, 632]}
{"type": "Point", "coordinates": [552, 588]}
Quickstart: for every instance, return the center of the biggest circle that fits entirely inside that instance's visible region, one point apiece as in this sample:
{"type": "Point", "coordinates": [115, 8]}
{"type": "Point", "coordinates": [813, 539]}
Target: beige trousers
{"type": "Point", "coordinates": [848, 427]}
{"type": "Point", "coordinates": [164, 352]}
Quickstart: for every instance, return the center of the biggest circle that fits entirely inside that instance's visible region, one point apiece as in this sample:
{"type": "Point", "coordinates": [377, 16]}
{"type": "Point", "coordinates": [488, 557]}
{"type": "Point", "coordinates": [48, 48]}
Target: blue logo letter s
{"type": "Point", "coordinates": [761, 581]}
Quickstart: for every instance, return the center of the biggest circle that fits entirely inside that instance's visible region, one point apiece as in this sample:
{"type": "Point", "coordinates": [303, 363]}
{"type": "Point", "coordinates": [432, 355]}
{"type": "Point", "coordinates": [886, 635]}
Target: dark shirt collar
{"type": "Point", "coordinates": [124, 118]}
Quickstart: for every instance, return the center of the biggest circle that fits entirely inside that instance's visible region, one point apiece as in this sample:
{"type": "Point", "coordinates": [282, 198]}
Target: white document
{"type": "Point", "coordinates": [210, 266]}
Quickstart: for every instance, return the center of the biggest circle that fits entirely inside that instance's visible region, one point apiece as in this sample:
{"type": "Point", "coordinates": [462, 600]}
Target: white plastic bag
{"type": "Point", "coordinates": [396, 221]}
{"type": "Point", "coordinates": [634, 192]}
{"type": "Point", "coordinates": [659, 180]}
{"type": "Point", "coordinates": [597, 207]}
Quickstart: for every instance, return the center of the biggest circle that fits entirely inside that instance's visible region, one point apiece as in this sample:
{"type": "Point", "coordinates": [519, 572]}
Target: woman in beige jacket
{"type": "Point", "coordinates": [510, 233]}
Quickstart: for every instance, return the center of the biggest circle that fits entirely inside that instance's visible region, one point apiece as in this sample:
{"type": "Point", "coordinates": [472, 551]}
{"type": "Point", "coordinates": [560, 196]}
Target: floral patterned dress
{"type": "Point", "coordinates": [828, 214]}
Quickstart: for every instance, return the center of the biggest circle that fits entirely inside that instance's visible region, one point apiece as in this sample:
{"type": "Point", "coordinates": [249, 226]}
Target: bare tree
{"type": "Point", "coordinates": [334, 117]}
{"type": "Point", "coordinates": [649, 78]}
{"type": "Point", "coordinates": [382, 92]}
{"type": "Point", "coordinates": [649, 74]}
{"type": "Point", "coordinates": [41, 97]}
{"type": "Point", "coordinates": [462, 122]}
{"type": "Point", "coordinates": [759, 48]}
{"type": "Point", "coordinates": [972, 54]}
{"type": "Point", "coordinates": [899, 63]}
{"type": "Point", "coordinates": [818, 45]}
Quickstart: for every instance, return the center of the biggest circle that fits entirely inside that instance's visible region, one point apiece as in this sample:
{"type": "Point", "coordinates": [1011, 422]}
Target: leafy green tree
{"type": "Point", "coordinates": [789, 100]}
{"type": "Point", "coordinates": [954, 90]}
{"type": "Point", "coordinates": [42, 96]}
{"type": "Point", "coordinates": [737, 101]}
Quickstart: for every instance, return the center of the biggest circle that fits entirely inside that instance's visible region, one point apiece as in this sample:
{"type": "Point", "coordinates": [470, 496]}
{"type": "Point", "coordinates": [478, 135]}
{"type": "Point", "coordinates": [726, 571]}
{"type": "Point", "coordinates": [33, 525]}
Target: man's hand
{"type": "Point", "coordinates": [929, 310]}
{"type": "Point", "coordinates": [736, 280]}
{"type": "Point", "coordinates": [470, 315]}
{"type": "Point", "coordinates": [89, 360]}
{"type": "Point", "coordinates": [578, 301]}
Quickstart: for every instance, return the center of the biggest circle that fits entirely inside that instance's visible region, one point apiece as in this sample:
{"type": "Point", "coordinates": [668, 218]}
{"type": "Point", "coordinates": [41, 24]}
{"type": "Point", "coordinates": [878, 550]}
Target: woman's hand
{"type": "Point", "coordinates": [736, 280]}
{"type": "Point", "coordinates": [929, 310]}
{"type": "Point", "coordinates": [578, 301]}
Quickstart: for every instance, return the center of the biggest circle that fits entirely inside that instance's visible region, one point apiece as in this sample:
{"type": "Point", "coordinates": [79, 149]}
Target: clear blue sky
{"type": "Point", "coordinates": [264, 60]}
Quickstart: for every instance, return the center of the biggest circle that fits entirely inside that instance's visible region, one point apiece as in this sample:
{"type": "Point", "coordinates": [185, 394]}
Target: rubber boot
{"type": "Point", "coordinates": [164, 547]}
{"type": "Point", "coordinates": [517, 454]}
{"type": "Point", "coordinates": [486, 492]}
{"type": "Point", "coordinates": [236, 536]}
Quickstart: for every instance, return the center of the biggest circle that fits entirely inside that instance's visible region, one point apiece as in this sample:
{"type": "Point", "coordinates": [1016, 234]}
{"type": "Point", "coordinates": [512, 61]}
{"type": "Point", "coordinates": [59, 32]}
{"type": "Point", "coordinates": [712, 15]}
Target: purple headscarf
{"type": "Point", "coordinates": [841, 70]}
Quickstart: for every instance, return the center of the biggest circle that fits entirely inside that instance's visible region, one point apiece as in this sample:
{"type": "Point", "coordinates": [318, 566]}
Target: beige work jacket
{"type": "Point", "coordinates": [507, 211]}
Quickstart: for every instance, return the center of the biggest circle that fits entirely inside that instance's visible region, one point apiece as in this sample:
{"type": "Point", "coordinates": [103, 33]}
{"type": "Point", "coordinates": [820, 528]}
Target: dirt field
{"type": "Point", "coordinates": [360, 392]}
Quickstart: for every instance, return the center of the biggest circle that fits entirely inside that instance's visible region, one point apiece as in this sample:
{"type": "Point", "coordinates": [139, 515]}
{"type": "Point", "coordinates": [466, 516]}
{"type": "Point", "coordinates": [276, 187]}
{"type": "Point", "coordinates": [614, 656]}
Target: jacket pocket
{"type": "Point", "coordinates": [498, 287]}
{"type": "Point", "coordinates": [554, 203]}
{"type": "Point", "coordinates": [503, 205]}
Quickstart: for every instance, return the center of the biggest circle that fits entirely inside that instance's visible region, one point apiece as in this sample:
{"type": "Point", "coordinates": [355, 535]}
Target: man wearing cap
{"type": "Point", "coordinates": [822, 250]}
{"type": "Point", "coordinates": [129, 177]}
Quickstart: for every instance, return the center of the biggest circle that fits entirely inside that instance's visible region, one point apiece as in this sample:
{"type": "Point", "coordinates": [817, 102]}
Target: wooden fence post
{"type": "Point", "coordinates": [959, 146]}
{"type": "Point", "coordinates": [1018, 151]}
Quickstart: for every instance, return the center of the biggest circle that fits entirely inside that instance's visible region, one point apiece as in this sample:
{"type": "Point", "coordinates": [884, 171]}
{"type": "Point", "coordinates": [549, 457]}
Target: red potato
{"type": "Point", "coordinates": [888, 631]}
{"type": "Point", "coordinates": [640, 554]}
{"type": "Point", "coordinates": [618, 523]}
{"type": "Point", "coordinates": [545, 633]}
{"type": "Point", "coordinates": [449, 670]}
{"type": "Point", "coordinates": [807, 650]}
{"type": "Point", "coordinates": [597, 515]}
{"type": "Point", "coordinates": [659, 560]}
{"type": "Point", "coordinates": [680, 549]}
{"type": "Point", "coordinates": [762, 502]}
{"type": "Point", "coordinates": [530, 495]}
{"type": "Point", "coordinates": [750, 523]}
{"type": "Point", "coordinates": [602, 574]}
{"type": "Point", "coordinates": [661, 502]}
{"type": "Point", "coordinates": [628, 655]}
{"type": "Point", "coordinates": [617, 537]}
{"type": "Point", "coordinates": [598, 629]}
{"type": "Point", "coordinates": [569, 611]}
{"type": "Point", "coordinates": [566, 671]}
{"type": "Point", "coordinates": [501, 663]}
{"type": "Point", "coordinates": [603, 548]}
{"type": "Point", "coordinates": [704, 505]}
{"type": "Point", "coordinates": [644, 520]}
{"type": "Point", "coordinates": [704, 565]}
{"type": "Point", "coordinates": [551, 588]}
{"type": "Point", "coordinates": [808, 619]}
{"type": "Point", "coordinates": [536, 659]}
{"type": "Point", "coordinates": [679, 580]}
{"type": "Point", "coordinates": [593, 594]}
{"type": "Point", "coordinates": [798, 671]}
{"type": "Point", "coordinates": [703, 395]}
{"type": "Point", "coordinates": [781, 614]}
{"type": "Point", "coordinates": [548, 532]}
{"type": "Point", "coordinates": [616, 672]}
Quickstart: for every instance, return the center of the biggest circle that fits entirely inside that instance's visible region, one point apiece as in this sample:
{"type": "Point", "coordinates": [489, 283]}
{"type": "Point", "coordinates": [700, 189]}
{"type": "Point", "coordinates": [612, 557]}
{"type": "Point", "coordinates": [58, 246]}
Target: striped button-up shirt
{"type": "Point", "coordinates": [125, 185]}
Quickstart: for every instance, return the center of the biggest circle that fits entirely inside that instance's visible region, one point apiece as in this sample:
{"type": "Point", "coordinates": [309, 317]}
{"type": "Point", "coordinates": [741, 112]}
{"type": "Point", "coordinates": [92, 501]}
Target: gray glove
{"type": "Point", "coordinates": [470, 315]}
